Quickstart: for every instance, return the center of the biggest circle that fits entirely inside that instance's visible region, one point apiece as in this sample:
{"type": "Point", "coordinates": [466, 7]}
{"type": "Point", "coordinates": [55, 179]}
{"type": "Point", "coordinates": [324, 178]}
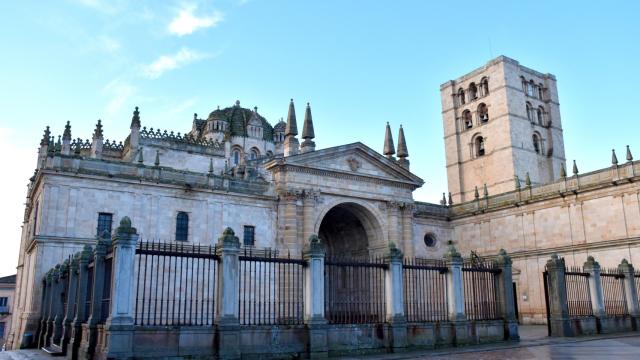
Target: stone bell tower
{"type": "Point", "coordinates": [501, 124]}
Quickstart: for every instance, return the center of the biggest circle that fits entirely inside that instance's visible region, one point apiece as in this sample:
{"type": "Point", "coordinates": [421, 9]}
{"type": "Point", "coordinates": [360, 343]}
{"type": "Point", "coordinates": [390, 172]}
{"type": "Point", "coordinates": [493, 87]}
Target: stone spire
{"type": "Point", "coordinates": [527, 180]}
{"type": "Point", "coordinates": [402, 152]}
{"type": "Point", "coordinates": [517, 181]}
{"type": "Point", "coordinates": [66, 139]}
{"type": "Point", "coordinates": [307, 132]}
{"type": "Point", "coordinates": [476, 194]}
{"type": "Point", "coordinates": [485, 191]}
{"type": "Point", "coordinates": [134, 138]}
{"type": "Point", "coordinates": [388, 150]}
{"type": "Point", "coordinates": [629, 156]}
{"type": "Point", "coordinates": [443, 202]}
{"type": "Point", "coordinates": [614, 158]}
{"type": "Point", "coordinates": [575, 168]}
{"type": "Point", "coordinates": [45, 137]}
{"type": "Point", "coordinates": [563, 171]}
{"type": "Point", "coordinates": [135, 120]}
{"type": "Point", "coordinates": [96, 146]}
{"type": "Point", "coordinates": [450, 199]}
{"type": "Point", "coordinates": [291, 143]}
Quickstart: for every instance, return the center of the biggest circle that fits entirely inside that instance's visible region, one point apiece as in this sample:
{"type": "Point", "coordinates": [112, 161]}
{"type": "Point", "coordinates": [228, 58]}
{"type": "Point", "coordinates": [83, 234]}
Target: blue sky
{"type": "Point", "coordinates": [359, 63]}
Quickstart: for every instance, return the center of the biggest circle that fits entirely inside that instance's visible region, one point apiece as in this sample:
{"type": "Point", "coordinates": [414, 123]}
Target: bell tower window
{"type": "Point", "coordinates": [467, 120]}
{"type": "Point", "coordinates": [479, 146]}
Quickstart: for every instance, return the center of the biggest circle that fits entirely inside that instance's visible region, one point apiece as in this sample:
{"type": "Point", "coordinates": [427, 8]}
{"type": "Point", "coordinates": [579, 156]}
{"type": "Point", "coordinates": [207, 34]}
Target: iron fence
{"type": "Point", "coordinates": [636, 277]}
{"type": "Point", "coordinates": [578, 295]}
{"type": "Point", "coordinates": [615, 303]}
{"type": "Point", "coordinates": [271, 290]}
{"type": "Point", "coordinates": [425, 290]}
{"type": "Point", "coordinates": [481, 300]}
{"type": "Point", "coordinates": [89, 291]}
{"type": "Point", "coordinates": [176, 284]}
{"type": "Point", "coordinates": [354, 291]}
{"type": "Point", "coordinates": [106, 288]}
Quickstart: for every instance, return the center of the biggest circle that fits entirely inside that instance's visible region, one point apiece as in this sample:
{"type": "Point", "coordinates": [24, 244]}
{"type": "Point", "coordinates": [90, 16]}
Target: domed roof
{"type": "Point", "coordinates": [280, 126]}
{"type": "Point", "coordinates": [238, 119]}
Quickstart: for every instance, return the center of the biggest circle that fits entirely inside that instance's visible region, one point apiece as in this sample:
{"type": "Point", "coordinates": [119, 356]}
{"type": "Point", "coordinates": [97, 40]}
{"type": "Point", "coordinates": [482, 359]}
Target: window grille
{"type": "Point", "coordinates": [182, 226]}
{"type": "Point", "coordinates": [104, 223]}
{"type": "Point", "coordinates": [249, 235]}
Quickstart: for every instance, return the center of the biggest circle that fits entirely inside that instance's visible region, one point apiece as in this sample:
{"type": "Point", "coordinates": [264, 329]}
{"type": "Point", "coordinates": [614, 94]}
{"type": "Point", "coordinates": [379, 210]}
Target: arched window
{"type": "Point", "coordinates": [254, 153]}
{"type": "Point", "coordinates": [235, 157]}
{"type": "Point", "coordinates": [524, 83]}
{"type": "Point", "coordinates": [483, 113]}
{"type": "Point", "coordinates": [467, 120]}
{"type": "Point", "coordinates": [484, 84]}
{"type": "Point", "coordinates": [269, 153]}
{"type": "Point", "coordinates": [182, 226]}
{"type": "Point", "coordinates": [529, 114]}
{"type": "Point", "coordinates": [461, 96]}
{"type": "Point", "coordinates": [473, 91]}
{"type": "Point", "coordinates": [540, 115]}
{"type": "Point", "coordinates": [537, 146]}
{"type": "Point", "coordinates": [540, 91]}
{"type": "Point", "coordinates": [479, 146]}
{"type": "Point", "coordinates": [530, 88]}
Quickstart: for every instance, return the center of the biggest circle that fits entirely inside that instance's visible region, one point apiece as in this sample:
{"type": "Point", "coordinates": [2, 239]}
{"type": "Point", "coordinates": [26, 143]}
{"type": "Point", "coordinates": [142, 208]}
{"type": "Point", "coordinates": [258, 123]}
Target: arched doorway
{"type": "Point", "coordinates": [349, 230]}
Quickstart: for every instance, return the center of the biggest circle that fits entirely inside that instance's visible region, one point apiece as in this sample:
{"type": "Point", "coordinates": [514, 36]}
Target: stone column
{"type": "Point", "coordinates": [557, 292]}
{"type": "Point", "coordinates": [407, 230]}
{"type": "Point", "coordinates": [71, 304]}
{"type": "Point", "coordinates": [289, 200]}
{"type": "Point", "coordinates": [228, 339]}
{"type": "Point", "coordinates": [120, 324]}
{"type": "Point", "coordinates": [505, 296]}
{"type": "Point", "coordinates": [89, 329]}
{"type": "Point", "coordinates": [455, 295]}
{"type": "Point", "coordinates": [314, 316]}
{"type": "Point", "coordinates": [82, 258]}
{"type": "Point", "coordinates": [393, 225]}
{"type": "Point", "coordinates": [58, 305]}
{"type": "Point", "coordinates": [631, 293]}
{"type": "Point", "coordinates": [394, 298]}
{"type": "Point", "coordinates": [309, 204]}
{"type": "Point", "coordinates": [595, 287]}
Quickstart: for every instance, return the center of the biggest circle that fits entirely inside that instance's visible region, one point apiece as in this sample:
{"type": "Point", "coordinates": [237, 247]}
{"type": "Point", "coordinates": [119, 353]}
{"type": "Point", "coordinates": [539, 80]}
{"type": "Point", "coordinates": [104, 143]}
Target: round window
{"type": "Point", "coordinates": [430, 240]}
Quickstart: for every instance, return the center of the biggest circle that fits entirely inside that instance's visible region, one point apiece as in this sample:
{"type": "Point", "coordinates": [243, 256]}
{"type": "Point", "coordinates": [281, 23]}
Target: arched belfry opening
{"type": "Point", "coordinates": [349, 230]}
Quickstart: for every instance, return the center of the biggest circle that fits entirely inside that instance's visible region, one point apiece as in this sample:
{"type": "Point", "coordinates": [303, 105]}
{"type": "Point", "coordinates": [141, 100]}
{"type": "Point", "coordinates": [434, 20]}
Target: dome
{"type": "Point", "coordinates": [280, 126]}
{"type": "Point", "coordinates": [238, 118]}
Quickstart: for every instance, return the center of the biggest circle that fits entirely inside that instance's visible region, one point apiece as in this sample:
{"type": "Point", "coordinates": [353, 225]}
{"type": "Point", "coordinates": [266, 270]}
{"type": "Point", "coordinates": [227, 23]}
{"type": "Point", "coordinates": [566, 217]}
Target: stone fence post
{"type": "Point", "coordinates": [71, 303]}
{"type": "Point", "coordinates": [557, 293]}
{"type": "Point", "coordinates": [46, 308]}
{"type": "Point", "coordinates": [455, 295]}
{"type": "Point", "coordinates": [314, 317]}
{"type": "Point", "coordinates": [228, 339]}
{"type": "Point", "coordinates": [120, 324]}
{"type": "Point", "coordinates": [82, 259]}
{"type": "Point", "coordinates": [394, 296]}
{"type": "Point", "coordinates": [58, 305]}
{"type": "Point", "coordinates": [592, 267]}
{"type": "Point", "coordinates": [506, 299]}
{"type": "Point", "coordinates": [631, 293]}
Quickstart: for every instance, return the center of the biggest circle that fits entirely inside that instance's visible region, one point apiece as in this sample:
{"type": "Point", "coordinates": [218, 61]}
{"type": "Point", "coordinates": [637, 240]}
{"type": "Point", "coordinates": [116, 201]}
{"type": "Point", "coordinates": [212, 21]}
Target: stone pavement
{"type": "Point", "coordinates": [534, 346]}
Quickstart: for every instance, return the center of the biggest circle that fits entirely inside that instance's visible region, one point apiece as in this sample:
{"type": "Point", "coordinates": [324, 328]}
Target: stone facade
{"type": "Point", "coordinates": [235, 170]}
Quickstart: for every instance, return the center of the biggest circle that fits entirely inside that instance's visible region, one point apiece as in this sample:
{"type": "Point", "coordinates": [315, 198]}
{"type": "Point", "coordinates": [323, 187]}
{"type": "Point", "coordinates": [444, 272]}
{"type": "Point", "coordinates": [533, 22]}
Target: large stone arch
{"type": "Point", "coordinates": [350, 228]}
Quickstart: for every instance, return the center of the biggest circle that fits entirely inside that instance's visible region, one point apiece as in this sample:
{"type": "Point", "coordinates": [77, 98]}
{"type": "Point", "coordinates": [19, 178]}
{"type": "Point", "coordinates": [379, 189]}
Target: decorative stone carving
{"type": "Point", "coordinates": [354, 164]}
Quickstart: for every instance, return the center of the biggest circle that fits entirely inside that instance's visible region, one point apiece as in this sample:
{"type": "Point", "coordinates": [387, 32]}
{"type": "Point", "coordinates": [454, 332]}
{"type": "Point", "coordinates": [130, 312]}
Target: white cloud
{"type": "Point", "coordinates": [186, 22]}
{"type": "Point", "coordinates": [109, 44]}
{"type": "Point", "coordinates": [108, 7]}
{"type": "Point", "coordinates": [171, 62]}
{"type": "Point", "coordinates": [119, 92]}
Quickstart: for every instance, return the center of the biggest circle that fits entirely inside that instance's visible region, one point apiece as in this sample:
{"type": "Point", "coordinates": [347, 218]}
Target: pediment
{"type": "Point", "coordinates": [355, 159]}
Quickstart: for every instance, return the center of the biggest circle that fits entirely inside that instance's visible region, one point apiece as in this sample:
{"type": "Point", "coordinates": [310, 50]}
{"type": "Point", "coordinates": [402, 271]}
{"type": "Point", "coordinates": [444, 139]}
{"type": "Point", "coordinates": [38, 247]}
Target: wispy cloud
{"type": "Point", "coordinates": [109, 44]}
{"type": "Point", "coordinates": [171, 62]}
{"type": "Point", "coordinates": [108, 7]}
{"type": "Point", "coordinates": [186, 22]}
{"type": "Point", "coordinates": [119, 91]}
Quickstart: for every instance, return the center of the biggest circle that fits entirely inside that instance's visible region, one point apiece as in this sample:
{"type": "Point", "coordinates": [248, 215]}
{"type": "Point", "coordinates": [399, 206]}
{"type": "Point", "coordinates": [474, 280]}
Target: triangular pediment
{"type": "Point", "coordinates": [355, 159]}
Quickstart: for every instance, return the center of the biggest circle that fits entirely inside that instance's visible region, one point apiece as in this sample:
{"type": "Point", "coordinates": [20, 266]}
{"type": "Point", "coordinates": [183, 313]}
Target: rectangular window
{"type": "Point", "coordinates": [182, 226]}
{"type": "Point", "coordinates": [4, 301]}
{"type": "Point", "coordinates": [35, 218]}
{"type": "Point", "coordinates": [104, 223]}
{"type": "Point", "coordinates": [249, 235]}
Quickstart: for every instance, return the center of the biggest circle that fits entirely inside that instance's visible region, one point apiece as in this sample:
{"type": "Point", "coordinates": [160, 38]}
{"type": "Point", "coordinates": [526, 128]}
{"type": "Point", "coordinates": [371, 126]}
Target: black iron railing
{"type": "Point", "coordinates": [481, 300]}
{"type": "Point", "coordinates": [176, 284]}
{"type": "Point", "coordinates": [615, 303]}
{"type": "Point", "coordinates": [425, 290]}
{"type": "Point", "coordinates": [354, 291]}
{"type": "Point", "coordinates": [271, 290]}
{"type": "Point", "coordinates": [106, 288]}
{"type": "Point", "coordinates": [578, 294]}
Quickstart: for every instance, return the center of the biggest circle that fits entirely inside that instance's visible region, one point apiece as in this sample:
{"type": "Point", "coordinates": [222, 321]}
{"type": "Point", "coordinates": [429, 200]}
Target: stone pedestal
{"type": "Point", "coordinates": [560, 324]}
{"type": "Point", "coordinates": [90, 329]}
{"type": "Point", "coordinates": [505, 292]}
{"type": "Point", "coordinates": [227, 322]}
{"type": "Point", "coordinates": [631, 293]}
{"type": "Point", "coordinates": [455, 296]}
{"type": "Point", "coordinates": [314, 316]}
{"type": "Point", "coordinates": [394, 296]}
{"type": "Point", "coordinates": [597, 295]}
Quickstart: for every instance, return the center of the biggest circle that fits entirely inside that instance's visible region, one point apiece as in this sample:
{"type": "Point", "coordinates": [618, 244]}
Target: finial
{"type": "Point", "coordinates": [157, 162]}
{"type": "Point", "coordinates": [211, 166]}
{"type": "Point", "coordinates": [450, 199]}
{"type": "Point", "coordinates": [563, 171]}
{"type": "Point", "coordinates": [307, 129]}
{"type": "Point", "coordinates": [67, 131]}
{"type": "Point", "coordinates": [46, 136]}
{"type": "Point", "coordinates": [388, 149]}
{"type": "Point", "coordinates": [238, 103]}
{"type": "Point", "coordinates": [292, 126]}
{"type": "Point", "coordinates": [443, 202]}
{"type": "Point", "coordinates": [402, 145]}
{"type": "Point", "coordinates": [527, 180]}
{"type": "Point", "coordinates": [517, 181]}
{"type": "Point", "coordinates": [97, 133]}
{"type": "Point", "coordinates": [135, 120]}
{"type": "Point", "coordinates": [195, 116]}
{"type": "Point", "coordinates": [486, 191]}
{"type": "Point", "coordinates": [255, 109]}
{"type": "Point", "coordinates": [614, 158]}
{"type": "Point", "coordinates": [476, 194]}
{"type": "Point", "coordinates": [575, 168]}
{"type": "Point", "coordinates": [629, 156]}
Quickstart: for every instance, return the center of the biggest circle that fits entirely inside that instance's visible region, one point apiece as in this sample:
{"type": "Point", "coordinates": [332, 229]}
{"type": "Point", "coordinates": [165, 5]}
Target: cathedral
{"type": "Point", "coordinates": [510, 187]}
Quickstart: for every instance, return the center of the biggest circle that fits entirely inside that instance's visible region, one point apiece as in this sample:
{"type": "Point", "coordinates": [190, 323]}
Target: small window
{"type": "Point", "coordinates": [461, 96]}
{"type": "Point", "coordinates": [4, 301]}
{"type": "Point", "coordinates": [249, 235]}
{"type": "Point", "coordinates": [529, 109]}
{"type": "Point", "coordinates": [540, 92]}
{"type": "Point", "coordinates": [479, 143]}
{"type": "Point", "coordinates": [540, 115]}
{"type": "Point", "coordinates": [35, 218]}
{"type": "Point", "coordinates": [485, 86]}
{"type": "Point", "coordinates": [182, 226]}
{"type": "Point", "coordinates": [473, 91]}
{"type": "Point", "coordinates": [483, 113]}
{"type": "Point", "coordinates": [104, 223]}
{"type": "Point", "coordinates": [467, 119]}
{"type": "Point", "coordinates": [236, 157]}
{"type": "Point", "coordinates": [255, 153]}
{"type": "Point", "coordinates": [536, 143]}
{"type": "Point", "coordinates": [530, 88]}
{"type": "Point", "coordinates": [430, 240]}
